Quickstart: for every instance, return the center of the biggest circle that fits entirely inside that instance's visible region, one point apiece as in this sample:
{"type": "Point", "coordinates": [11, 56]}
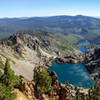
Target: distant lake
{"type": "Point", "coordinates": [73, 73]}
{"type": "Point", "coordinates": [82, 44]}
{"type": "Point", "coordinates": [86, 42]}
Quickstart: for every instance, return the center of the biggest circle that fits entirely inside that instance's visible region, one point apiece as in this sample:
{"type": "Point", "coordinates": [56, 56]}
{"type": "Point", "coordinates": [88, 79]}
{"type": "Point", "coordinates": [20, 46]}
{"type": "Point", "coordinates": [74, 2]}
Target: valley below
{"type": "Point", "coordinates": [54, 61]}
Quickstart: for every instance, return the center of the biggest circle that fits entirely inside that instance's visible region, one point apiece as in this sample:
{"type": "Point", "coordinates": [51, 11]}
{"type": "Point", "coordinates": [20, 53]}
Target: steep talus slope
{"type": "Point", "coordinates": [18, 64]}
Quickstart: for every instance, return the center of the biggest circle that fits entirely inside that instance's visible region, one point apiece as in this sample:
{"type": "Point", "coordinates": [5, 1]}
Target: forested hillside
{"type": "Point", "coordinates": [88, 27]}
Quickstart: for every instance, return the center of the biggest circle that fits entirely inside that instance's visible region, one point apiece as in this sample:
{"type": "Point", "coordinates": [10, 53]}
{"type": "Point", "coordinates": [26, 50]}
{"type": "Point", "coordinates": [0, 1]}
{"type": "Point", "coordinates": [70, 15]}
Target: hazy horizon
{"type": "Point", "coordinates": [48, 16]}
{"type": "Point", "coordinates": [39, 8]}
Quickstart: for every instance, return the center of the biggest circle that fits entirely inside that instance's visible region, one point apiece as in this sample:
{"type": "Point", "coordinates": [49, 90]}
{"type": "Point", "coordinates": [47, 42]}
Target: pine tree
{"type": "Point", "coordinates": [95, 93]}
{"type": "Point", "coordinates": [8, 81]}
{"type": "Point", "coordinates": [6, 93]}
{"type": "Point", "coordinates": [9, 78]}
{"type": "Point", "coordinates": [42, 79]}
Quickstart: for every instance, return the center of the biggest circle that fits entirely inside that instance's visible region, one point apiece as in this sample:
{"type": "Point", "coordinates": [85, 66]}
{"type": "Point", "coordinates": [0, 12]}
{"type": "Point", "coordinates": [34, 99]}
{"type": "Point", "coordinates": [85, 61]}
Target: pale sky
{"type": "Point", "coordinates": [31, 8]}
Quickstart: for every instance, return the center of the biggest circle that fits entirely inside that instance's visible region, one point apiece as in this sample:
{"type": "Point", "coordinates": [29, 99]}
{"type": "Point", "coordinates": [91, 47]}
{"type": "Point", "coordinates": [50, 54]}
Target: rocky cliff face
{"type": "Point", "coordinates": [92, 62]}
{"type": "Point", "coordinates": [60, 91]}
{"type": "Point", "coordinates": [74, 58]}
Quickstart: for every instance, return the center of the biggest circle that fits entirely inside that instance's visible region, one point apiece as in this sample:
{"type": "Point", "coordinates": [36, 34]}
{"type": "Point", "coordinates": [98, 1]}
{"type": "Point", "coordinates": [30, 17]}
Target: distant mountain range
{"type": "Point", "coordinates": [88, 27]}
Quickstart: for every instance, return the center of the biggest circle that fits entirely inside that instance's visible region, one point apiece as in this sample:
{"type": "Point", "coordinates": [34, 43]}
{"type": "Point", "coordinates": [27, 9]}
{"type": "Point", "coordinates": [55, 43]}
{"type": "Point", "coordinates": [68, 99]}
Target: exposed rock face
{"type": "Point", "coordinates": [92, 62]}
{"type": "Point", "coordinates": [18, 48]}
{"type": "Point", "coordinates": [15, 39]}
{"type": "Point", "coordinates": [64, 93]}
{"type": "Point", "coordinates": [20, 95]}
{"type": "Point", "coordinates": [59, 60]}
{"type": "Point", "coordinates": [34, 40]}
{"type": "Point", "coordinates": [97, 53]}
{"type": "Point", "coordinates": [27, 88]}
{"type": "Point", "coordinates": [45, 40]}
{"type": "Point", "coordinates": [60, 91]}
{"type": "Point", "coordinates": [70, 59]}
{"type": "Point", "coordinates": [33, 44]}
{"type": "Point", "coordinates": [16, 43]}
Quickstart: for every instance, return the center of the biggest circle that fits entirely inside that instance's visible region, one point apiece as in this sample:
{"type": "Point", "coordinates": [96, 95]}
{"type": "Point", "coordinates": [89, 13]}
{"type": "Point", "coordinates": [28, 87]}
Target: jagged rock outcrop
{"type": "Point", "coordinates": [14, 39]}
{"type": "Point", "coordinates": [60, 91]}
{"type": "Point", "coordinates": [20, 95]}
{"type": "Point", "coordinates": [35, 40]}
{"type": "Point", "coordinates": [19, 49]}
{"type": "Point", "coordinates": [92, 62]}
{"type": "Point", "coordinates": [71, 59]}
{"type": "Point", "coordinates": [47, 41]}
{"type": "Point", "coordinates": [16, 43]}
{"type": "Point", "coordinates": [27, 88]}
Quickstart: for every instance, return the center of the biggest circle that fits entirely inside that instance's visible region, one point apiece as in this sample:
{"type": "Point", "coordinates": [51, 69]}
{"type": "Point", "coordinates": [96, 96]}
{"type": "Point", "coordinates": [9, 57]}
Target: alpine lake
{"type": "Point", "coordinates": [75, 74]}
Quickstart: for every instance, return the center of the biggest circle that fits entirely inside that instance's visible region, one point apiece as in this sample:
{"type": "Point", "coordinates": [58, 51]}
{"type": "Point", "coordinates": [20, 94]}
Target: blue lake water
{"type": "Point", "coordinates": [82, 43]}
{"type": "Point", "coordinates": [73, 73]}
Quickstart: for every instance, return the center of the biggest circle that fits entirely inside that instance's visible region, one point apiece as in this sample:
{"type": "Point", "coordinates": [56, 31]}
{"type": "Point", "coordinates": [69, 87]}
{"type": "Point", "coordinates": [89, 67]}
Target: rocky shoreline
{"type": "Point", "coordinates": [92, 63]}
{"type": "Point", "coordinates": [91, 59]}
{"type": "Point", "coordinates": [60, 91]}
{"type": "Point", "coordinates": [69, 59]}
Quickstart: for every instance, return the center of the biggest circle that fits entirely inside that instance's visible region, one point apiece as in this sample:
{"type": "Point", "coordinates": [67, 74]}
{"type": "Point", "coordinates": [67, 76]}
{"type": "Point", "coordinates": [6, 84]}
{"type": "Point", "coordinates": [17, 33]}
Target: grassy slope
{"type": "Point", "coordinates": [70, 38]}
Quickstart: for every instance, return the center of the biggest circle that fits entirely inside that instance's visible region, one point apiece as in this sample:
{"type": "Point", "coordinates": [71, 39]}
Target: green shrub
{"type": "Point", "coordinates": [8, 81]}
{"type": "Point", "coordinates": [9, 78]}
{"type": "Point", "coordinates": [16, 56]}
{"type": "Point", "coordinates": [42, 79]}
{"type": "Point", "coordinates": [93, 94]}
{"type": "Point", "coordinates": [6, 93]}
{"type": "Point", "coordinates": [1, 64]}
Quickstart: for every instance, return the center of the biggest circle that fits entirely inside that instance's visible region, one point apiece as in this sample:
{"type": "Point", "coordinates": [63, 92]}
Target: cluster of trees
{"type": "Point", "coordinates": [43, 81]}
{"type": "Point", "coordinates": [93, 94]}
{"type": "Point", "coordinates": [8, 80]}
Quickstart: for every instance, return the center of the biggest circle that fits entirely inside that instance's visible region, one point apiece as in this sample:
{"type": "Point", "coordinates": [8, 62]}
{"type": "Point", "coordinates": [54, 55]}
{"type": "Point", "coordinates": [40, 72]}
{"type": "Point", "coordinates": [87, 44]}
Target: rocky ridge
{"type": "Point", "coordinates": [60, 91]}
{"type": "Point", "coordinates": [24, 45]}
{"type": "Point", "coordinates": [29, 48]}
